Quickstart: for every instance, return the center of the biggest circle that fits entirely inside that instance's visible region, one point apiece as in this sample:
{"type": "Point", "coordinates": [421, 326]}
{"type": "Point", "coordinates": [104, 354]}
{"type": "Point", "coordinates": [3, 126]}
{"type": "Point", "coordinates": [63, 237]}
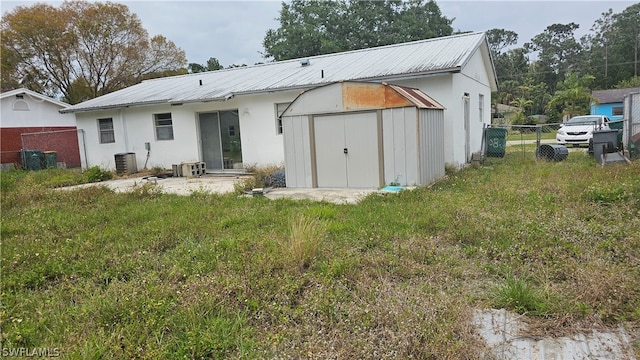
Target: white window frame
{"type": "Point", "coordinates": [620, 110]}
{"type": "Point", "coordinates": [279, 109]}
{"type": "Point", "coordinates": [160, 122]}
{"type": "Point", "coordinates": [106, 135]}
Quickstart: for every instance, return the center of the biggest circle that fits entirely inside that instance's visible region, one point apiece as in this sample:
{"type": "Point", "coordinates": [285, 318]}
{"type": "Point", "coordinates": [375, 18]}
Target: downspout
{"type": "Point", "coordinates": [84, 150]}
{"type": "Point", "coordinates": [124, 132]}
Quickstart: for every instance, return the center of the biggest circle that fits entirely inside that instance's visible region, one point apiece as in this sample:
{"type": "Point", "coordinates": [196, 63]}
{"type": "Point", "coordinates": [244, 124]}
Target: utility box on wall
{"type": "Point", "coordinates": [126, 163]}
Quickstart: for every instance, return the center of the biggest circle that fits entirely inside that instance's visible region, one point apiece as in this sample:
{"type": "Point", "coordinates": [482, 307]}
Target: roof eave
{"type": "Point", "coordinates": [71, 110]}
{"type": "Point", "coordinates": [262, 91]}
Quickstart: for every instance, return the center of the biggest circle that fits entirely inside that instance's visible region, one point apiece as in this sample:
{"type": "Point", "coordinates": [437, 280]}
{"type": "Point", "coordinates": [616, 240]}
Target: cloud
{"type": "Point", "coordinates": [233, 31]}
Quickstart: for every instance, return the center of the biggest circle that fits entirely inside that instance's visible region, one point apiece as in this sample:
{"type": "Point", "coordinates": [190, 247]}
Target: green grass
{"type": "Point", "coordinates": [147, 275]}
{"type": "Point", "coordinates": [518, 136]}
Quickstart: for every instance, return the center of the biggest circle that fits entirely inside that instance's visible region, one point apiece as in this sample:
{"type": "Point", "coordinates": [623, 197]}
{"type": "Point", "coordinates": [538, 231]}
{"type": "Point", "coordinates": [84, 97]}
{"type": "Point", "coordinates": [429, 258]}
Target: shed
{"type": "Point", "coordinates": [363, 135]}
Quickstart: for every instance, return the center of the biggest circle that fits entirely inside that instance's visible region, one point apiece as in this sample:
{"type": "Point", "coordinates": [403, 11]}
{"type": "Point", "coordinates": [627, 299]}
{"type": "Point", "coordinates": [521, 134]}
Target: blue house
{"type": "Point", "coordinates": [610, 102]}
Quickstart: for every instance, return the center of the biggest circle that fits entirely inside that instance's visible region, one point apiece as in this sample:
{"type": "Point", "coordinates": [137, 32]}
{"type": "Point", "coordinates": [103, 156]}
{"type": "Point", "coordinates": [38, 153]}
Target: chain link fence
{"type": "Point", "coordinates": [539, 141]}
{"type": "Point", "coordinates": [536, 141]}
{"type": "Point", "coordinates": [631, 131]}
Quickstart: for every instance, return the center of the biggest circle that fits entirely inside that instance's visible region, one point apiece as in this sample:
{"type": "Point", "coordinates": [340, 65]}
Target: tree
{"type": "Point", "coordinates": [511, 66]}
{"type": "Point", "coordinates": [522, 104]}
{"type": "Point", "coordinates": [573, 96]}
{"type": "Point", "coordinates": [307, 28]}
{"type": "Point", "coordinates": [626, 28]}
{"type": "Point", "coordinates": [499, 39]}
{"type": "Point", "coordinates": [558, 52]}
{"type": "Point", "coordinates": [212, 65]}
{"type": "Point", "coordinates": [598, 45]}
{"type": "Point", "coordinates": [311, 27]}
{"type": "Point", "coordinates": [82, 50]}
{"type": "Point", "coordinates": [629, 83]}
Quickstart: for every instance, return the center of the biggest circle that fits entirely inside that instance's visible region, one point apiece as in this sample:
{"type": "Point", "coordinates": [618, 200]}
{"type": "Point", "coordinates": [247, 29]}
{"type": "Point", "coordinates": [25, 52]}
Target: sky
{"type": "Point", "coordinates": [233, 31]}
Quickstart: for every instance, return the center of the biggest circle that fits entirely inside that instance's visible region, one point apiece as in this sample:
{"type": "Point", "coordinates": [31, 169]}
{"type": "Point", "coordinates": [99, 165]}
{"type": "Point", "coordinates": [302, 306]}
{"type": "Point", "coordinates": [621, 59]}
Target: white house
{"type": "Point", "coordinates": [31, 120]}
{"type": "Point", "coordinates": [230, 118]}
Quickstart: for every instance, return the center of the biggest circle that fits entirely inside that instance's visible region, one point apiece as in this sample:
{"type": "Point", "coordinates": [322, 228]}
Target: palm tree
{"type": "Point", "coordinates": [573, 95]}
{"type": "Point", "coordinates": [522, 104]}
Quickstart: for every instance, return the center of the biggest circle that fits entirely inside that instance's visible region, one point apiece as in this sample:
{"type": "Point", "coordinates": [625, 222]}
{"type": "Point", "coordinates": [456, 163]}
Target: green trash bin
{"type": "Point", "coordinates": [31, 159]}
{"type": "Point", "coordinates": [50, 160]}
{"type": "Point", "coordinates": [617, 125]}
{"type": "Point", "coordinates": [495, 141]}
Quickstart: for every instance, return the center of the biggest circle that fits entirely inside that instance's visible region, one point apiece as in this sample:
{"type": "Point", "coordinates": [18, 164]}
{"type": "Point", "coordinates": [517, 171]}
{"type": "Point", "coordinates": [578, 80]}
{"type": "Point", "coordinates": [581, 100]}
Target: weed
{"type": "Point", "coordinates": [157, 170]}
{"type": "Point", "coordinates": [96, 174]}
{"type": "Point", "coordinates": [520, 296]}
{"type": "Point", "coordinates": [149, 275]}
{"type": "Point", "coordinates": [305, 239]}
{"type": "Point", "coordinates": [145, 190]}
{"type": "Point", "coordinates": [260, 177]}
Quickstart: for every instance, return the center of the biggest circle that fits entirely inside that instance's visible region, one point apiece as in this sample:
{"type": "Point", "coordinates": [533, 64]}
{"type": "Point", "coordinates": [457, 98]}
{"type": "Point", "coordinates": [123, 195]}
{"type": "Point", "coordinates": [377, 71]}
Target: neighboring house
{"type": "Point", "coordinates": [503, 114]}
{"type": "Point", "coordinates": [33, 121]}
{"type": "Point", "coordinates": [611, 102]}
{"type": "Point", "coordinates": [231, 118]}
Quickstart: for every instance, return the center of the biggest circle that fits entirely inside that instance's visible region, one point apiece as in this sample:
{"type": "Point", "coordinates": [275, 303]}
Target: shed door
{"type": "Point", "coordinates": [347, 150]}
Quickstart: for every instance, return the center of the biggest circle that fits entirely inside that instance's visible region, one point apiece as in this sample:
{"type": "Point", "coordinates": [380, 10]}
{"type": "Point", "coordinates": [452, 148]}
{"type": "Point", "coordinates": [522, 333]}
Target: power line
{"type": "Point", "coordinates": [553, 71]}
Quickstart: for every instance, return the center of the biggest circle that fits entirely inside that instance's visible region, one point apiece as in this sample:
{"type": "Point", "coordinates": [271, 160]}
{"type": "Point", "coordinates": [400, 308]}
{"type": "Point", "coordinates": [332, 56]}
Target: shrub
{"type": "Point", "coordinates": [261, 177]}
{"type": "Point", "coordinates": [96, 174]}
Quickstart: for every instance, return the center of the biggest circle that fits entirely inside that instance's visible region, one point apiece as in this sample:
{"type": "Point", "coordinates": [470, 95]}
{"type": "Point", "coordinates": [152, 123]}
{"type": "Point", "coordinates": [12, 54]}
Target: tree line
{"type": "Point", "coordinates": [554, 73]}
{"type": "Point", "coordinates": [81, 50]}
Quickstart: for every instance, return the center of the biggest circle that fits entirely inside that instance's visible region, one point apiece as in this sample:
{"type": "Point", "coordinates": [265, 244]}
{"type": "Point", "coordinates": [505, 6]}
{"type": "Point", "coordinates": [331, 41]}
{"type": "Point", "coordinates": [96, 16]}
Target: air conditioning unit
{"type": "Point", "coordinates": [126, 163]}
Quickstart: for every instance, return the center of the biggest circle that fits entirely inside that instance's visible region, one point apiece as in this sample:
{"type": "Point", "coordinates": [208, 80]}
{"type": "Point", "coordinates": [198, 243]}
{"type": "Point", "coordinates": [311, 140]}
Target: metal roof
{"type": "Point", "coordinates": [425, 57]}
{"type": "Point", "coordinates": [613, 95]}
{"type": "Point", "coordinates": [417, 97]}
{"type": "Point", "coordinates": [33, 95]}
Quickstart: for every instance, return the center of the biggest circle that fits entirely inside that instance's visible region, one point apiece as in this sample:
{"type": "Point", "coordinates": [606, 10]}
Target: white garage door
{"type": "Point", "coordinates": [347, 150]}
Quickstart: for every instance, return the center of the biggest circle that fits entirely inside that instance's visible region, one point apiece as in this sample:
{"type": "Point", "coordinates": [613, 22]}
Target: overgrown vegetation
{"type": "Point", "coordinates": [100, 274]}
{"type": "Point", "coordinates": [259, 179]}
{"type": "Point", "coordinates": [96, 174]}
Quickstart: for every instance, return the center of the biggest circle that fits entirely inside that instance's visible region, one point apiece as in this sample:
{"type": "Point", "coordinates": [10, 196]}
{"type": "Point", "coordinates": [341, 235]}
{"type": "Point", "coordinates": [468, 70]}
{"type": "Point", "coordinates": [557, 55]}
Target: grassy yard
{"type": "Point", "coordinates": [531, 135]}
{"type": "Point", "coordinates": [147, 275]}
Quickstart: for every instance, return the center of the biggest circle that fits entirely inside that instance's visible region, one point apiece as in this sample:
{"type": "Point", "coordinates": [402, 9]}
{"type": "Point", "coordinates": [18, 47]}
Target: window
{"type": "Point", "coordinates": [105, 128]}
{"type": "Point", "coordinates": [164, 126]}
{"type": "Point", "coordinates": [280, 108]}
{"type": "Point", "coordinates": [617, 111]}
{"type": "Point", "coordinates": [232, 131]}
{"type": "Point", "coordinates": [481, 107]}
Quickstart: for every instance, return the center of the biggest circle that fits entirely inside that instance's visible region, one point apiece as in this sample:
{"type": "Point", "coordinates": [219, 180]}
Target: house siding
{"type": "Point", "coordinates": [40, 114]}
{"type": "Point", "coordinates": [450, 90]}
{"type": "Point", "coordinates": [462, 66]}
{"type": "Point", "coordinates": [37, 116]}
{"type": "Point", "coordinates": [133, 127]}
{"type": "Point", "coordinates": [607, 110]}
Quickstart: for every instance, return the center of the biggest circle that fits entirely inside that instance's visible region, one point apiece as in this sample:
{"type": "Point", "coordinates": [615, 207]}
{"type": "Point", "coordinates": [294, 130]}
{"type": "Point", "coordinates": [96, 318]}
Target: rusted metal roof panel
{"type": "Point", "coordinates": [358, 95]}
{"type": "Point", "coordinates": [417, 97]}
{"type": "Point", "coordinates": [446, 54]}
